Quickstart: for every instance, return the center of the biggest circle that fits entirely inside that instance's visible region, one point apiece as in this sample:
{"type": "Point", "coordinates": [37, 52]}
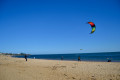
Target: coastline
{"type": "Point", "coordinates": [41, 69]}
{"type": "Point", "coordinates": [68, 60]}
{"type": "Point", "coordinates": [91, 57]}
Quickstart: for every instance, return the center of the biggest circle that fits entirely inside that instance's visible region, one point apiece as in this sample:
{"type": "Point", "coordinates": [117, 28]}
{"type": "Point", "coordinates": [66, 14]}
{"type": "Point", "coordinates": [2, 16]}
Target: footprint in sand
{"type": "Point", "coordinates": [46, 67]}
{"type": "Point", "coordinates": [93, 78]}
{"type": "Point", "coordinates": [73, 78]}
{"type": "Point", "coordinates": [54, 67]}
{"type": "Point", "coordinates": [19, 72]}
{"type": "Point", "coordinates": [65, 74]}
{"type": "Point", "coordinates": [73, 67]}
{"type": "Point", "coordinates": [98, 65]}
{"type": "Point", "coordinates": [63, 66]}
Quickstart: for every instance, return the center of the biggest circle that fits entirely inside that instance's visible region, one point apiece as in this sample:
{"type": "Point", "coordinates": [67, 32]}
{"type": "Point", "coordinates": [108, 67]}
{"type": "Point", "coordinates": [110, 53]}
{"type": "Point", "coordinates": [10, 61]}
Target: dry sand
{"type": "Point", "coordinates": [37, 69]}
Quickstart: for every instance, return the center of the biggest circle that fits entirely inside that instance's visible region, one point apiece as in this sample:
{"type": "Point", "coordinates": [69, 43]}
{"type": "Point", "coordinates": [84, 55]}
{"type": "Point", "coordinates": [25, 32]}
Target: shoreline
{"type": "Point", "coordinates": [92, 57]}
{"type": "Point", "coordinates": [65, 60]}
{"type": "Point", "coordinates": [69, 60]}
{"type": "Point", "coordinates": [38, 69]}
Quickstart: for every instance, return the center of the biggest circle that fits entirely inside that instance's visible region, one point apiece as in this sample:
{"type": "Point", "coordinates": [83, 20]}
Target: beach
{"type": "Point", "coordinates": [39, 69]}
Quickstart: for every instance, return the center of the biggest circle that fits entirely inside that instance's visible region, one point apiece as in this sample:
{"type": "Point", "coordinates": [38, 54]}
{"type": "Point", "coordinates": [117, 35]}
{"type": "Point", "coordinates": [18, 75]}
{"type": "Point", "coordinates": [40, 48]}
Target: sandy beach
{"type": "Point", "coordinates": [37, 69]}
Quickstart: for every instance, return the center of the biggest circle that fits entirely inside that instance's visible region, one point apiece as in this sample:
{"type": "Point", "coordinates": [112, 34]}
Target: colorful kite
{"type": "Point", "coordinates": [93, 26]}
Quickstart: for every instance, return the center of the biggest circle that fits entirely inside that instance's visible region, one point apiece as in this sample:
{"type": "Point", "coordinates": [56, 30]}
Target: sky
{"type": "Point", "coordinates": [59, 26]}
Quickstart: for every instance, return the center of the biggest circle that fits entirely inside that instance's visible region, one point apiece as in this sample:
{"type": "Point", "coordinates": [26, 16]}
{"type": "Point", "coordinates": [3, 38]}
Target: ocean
{"type": "Point", "coordinates": [103, 56]}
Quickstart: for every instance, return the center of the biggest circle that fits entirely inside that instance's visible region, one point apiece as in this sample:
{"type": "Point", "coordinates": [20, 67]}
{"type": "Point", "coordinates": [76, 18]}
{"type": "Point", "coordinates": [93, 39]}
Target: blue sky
{"type": "Point", "coordinates": [59, 26]}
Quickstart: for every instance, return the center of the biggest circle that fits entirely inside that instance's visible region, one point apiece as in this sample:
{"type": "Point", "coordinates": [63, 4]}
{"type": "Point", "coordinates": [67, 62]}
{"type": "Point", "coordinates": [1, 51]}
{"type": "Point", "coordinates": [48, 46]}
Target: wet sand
{"type": "Point", "coordinates": [37, 69]}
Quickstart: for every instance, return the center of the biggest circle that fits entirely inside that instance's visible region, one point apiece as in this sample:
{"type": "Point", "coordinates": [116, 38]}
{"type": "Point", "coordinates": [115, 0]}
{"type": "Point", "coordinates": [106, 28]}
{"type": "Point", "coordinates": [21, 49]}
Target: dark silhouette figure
{"type": "Point", "coordinates": [61, 57]}
{"type": "Point", "coordinates": [26, 57]}
{"type": "Point", "coordinates": [109, 60]}
{"type": "Point", "coordinates": [79, 58]}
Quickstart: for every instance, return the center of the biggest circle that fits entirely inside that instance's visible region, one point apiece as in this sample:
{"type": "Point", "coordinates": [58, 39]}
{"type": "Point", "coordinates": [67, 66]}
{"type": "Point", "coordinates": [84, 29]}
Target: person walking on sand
{"type": "Point", "coordinates": [26, 57]}
{"type": "Point", "coordinates": [79, 58]}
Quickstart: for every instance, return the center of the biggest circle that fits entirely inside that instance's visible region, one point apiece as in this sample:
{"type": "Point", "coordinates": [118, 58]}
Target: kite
{"type": "Point", "coordinates": [93, 27]}
{"type": "Point", "coordinates": [81, 49]}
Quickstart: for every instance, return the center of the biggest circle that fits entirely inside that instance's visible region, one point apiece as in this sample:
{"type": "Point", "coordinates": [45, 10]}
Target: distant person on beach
{"type": "Point", "coordinates": [26, 57]}
{"type": "Point", "coordinates": [79, 58]}
{"type": "Point", "coordinates": [109, 60]}
{"type": "Point", "coordinates": [61, 57]}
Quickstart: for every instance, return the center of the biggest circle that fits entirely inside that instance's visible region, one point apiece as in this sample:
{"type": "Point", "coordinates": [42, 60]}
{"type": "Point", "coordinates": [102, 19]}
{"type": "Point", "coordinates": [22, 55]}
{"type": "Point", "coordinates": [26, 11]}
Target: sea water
{"type": "Point", "coordinates": [103, 56]}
